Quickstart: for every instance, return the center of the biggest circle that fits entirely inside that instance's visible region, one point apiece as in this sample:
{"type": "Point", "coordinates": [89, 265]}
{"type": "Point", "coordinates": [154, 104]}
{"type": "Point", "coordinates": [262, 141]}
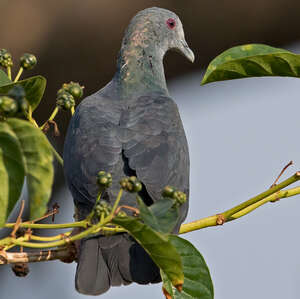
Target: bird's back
{"type": "Point", "coordinates": [142, 137]}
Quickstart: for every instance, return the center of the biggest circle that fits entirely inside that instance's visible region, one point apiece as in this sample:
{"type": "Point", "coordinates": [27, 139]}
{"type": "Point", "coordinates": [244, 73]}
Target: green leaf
{"type": "Point", "coordinates": [12, 171]}
{"type": "Point", "coordinates": [162, 216]}
{"type": "Point", "coordinates": [197, 280]}
{"type": "Point", "coordinates": [4, 80]}
{"type": "Point", "coordinates": [34, 88]}
{"type": "Point", "coordinates": [253, 60]}
{"type": "Point", "coordinates": [37, 156]}
{"type": "Point", "coordinates": [157, 245]}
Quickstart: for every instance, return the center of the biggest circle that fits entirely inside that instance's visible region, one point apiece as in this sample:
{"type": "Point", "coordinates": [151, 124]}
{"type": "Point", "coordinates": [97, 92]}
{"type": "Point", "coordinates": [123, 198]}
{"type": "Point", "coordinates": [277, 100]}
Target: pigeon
{"type": "Point", "coordinates": [131, 127]}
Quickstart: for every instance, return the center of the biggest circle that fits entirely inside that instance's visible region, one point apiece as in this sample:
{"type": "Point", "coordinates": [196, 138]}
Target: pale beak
{"type": "Point", "coordinates": [186, 51]}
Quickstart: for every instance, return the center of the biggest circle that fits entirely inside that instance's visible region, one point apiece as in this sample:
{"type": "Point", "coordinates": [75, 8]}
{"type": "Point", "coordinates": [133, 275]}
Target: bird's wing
{"type": "Point", "coordinates": [144, 137]}
{"type": "Point", "coordinates": [157, 149]}
{"type": "Point", "coordinates": [90, 146]}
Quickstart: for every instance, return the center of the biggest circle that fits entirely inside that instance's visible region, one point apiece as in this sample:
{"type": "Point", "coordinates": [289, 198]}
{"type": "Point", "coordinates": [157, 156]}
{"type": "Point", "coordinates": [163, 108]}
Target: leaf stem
{"type": "Point", "coordinates": [19, 74]}
{"type": "Point", "coordinates": [8, 72]}
{"type": "Point", "coordinates": [30, 118]}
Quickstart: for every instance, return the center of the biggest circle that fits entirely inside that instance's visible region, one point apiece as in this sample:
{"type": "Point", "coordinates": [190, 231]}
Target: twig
{"type": "Point", "coordinates": [64, 253]}
{"type": "Point", "coordinates": [82, 223]}
{"type": "Point", "coordinates": [135, 210]}
{"type": "Point", "coordinates": [215, 219]}
{"type": "Point", "coordinates": [36, 256]}
{"type": "Point", "coordinates": [294, 178]}
{"type": "Point", "coordinates": [48, 214]}
{"type": "Point", "coordinates": [55, 208]}
{"type": "Point", "coordinates": [49, 239]}
{"type": "Point", "coordinates": [68, 240]}
{"type": "Point", "coordinates": [18, 221]}
{"type": "Point", "coordinates": [219, 219]}
{"type": "Point", "coordinates": [281, 173]}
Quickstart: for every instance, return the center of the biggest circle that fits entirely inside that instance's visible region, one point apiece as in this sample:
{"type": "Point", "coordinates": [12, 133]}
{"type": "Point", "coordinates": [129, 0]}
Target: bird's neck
{"type": "Point", "coordinates": [140, 71]}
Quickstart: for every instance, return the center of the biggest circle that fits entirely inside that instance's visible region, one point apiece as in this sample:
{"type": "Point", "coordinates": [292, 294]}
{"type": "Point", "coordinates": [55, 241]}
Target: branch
{"type": "Point", "coordinates": [244, 208]}
{"type": "Point", "coordinates": [64, 254]}
{"type": "Point", "coordinates": [271, 195]}
{"type": "Point", "coordinates": [37, 256]}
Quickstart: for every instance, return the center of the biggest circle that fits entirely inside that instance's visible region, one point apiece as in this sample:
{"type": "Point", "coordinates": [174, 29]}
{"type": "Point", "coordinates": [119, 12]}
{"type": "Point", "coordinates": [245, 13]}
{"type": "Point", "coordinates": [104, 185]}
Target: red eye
{"type": "Point", "coordinates": [171, 23]}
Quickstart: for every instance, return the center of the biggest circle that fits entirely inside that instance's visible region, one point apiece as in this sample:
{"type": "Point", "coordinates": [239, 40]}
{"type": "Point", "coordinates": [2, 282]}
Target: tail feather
{"type": "Point", "coordinates": [106, 261]}
{"type": "Point", "coordinates": [92, 272]}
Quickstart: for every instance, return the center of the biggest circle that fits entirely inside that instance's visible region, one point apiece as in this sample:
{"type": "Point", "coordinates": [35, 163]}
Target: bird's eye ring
{"type": "Point", "coordinates": [171, 23]}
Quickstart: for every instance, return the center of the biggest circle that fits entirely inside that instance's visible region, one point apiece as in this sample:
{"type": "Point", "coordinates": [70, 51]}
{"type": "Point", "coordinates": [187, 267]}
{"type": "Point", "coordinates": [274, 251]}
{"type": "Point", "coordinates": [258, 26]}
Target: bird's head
{"type": "Point", "coordinates": [158, 28]}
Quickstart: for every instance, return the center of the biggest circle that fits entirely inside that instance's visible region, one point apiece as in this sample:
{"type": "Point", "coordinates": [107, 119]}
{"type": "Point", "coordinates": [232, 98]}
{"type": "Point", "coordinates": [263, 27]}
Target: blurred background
{"type": "Point", "coordinates": [240, 133]}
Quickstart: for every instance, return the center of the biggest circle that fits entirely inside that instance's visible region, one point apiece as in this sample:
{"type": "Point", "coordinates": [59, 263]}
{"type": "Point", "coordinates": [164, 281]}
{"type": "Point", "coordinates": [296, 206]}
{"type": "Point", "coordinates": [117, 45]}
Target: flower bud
{"type": "Point", "coordinates": [74, 89]}
{"type": "Point", "coordinates": [8, 106]}
{"type": "Point", "coordinates": [104, 179]}
{"type": "Point", "coordinates": [179, 197]}
{"type": "Point", "coordinates": [28, 61]}
{"type": "Point", "coordinates": [5, 58]}
{"type": "Point", "coordinates": [102, 208]}
{"type": "Point", "coordinates": [131, 184]}
{"type": "Point", "coordinates": [168, 191]}
{"type": "Point", "coordinates": [65, 101]}
{"type": "Point", "coordinates": [121, 214]}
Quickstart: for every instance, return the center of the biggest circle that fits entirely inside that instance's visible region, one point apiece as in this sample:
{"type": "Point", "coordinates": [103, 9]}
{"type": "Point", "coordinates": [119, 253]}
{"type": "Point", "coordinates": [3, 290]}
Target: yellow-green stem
{"type": "Point", "coordinates": [213, 220]}
{"type": "Point", "coordinates": [294, 178]}
{"type": "Point", "coordinates": [48, 239]}
{"type": "Point", "coordinates": [116, 202]}
{"type": "Point", "coordinates": [273, 197]}
{"type": "Point", "coordinates": [72, 110]}
{"type": "Point", "coordinates": [52, 116]}
{"type": "Point", "coordinates": [19, 74]}
{"type": "Point", "coordinates": [8, 72]}
{"type": "Point", "coordinates": [82, 223]}
{"type": "Point", "coordinates": [79, 236]}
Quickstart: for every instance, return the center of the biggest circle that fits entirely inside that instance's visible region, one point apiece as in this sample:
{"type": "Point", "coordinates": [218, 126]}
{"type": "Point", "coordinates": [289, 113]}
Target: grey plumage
{"type": "Point", "coordinates": [130, 127]}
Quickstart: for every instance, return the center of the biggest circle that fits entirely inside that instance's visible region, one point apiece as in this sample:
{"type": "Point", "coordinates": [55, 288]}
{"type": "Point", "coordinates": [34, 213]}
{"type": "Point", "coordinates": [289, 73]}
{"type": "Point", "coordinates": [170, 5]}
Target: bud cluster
{"type": "Point", "coordinates": [178, 196]}
{"type": "Point", "coordinates": [5, 58]}
{"type": "Point", "coordinates": [67, 95]}
{"type": "Point", "coordinates": [14, 103]}
{"type": "Point", "coordinates": [103, 208]}
{"type": "Point", "coordinates": [104, 179]}
{"type": "Point", "coordinates": [131, 184]}
{"type": "Point", "coordinates": [28, 61]}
